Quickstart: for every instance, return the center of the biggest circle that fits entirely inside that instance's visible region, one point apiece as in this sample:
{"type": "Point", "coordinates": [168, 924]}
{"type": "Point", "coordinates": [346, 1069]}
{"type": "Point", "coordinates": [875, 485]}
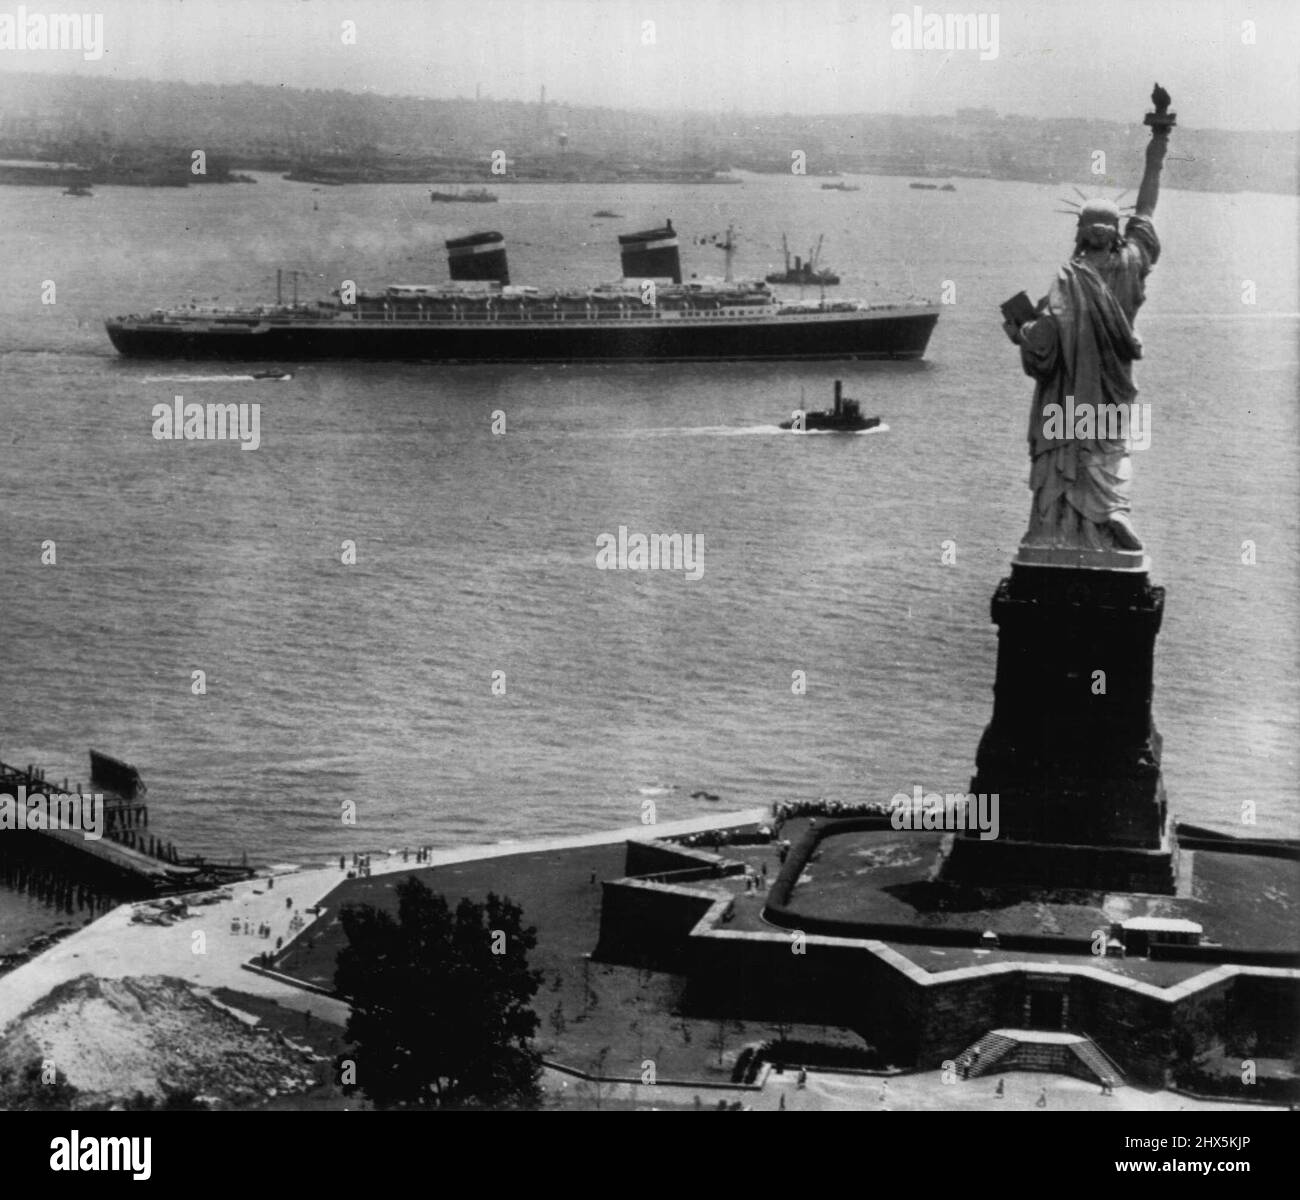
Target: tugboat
{"type": "Point", "coordinates": [845, 417]}
{"type": "Point", "coordinates": [804, 272]}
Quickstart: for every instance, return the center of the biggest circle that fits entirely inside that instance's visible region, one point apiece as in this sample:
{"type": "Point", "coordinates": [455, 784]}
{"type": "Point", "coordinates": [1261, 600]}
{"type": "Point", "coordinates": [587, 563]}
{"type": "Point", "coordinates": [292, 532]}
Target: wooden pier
{"type": "Point", "coordinates": [127, 859]}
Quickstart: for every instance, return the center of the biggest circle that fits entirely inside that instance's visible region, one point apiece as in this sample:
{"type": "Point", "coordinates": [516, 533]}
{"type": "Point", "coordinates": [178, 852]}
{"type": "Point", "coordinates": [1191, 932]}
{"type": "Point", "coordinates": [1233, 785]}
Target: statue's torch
{"type": "Point", "coordinates": [1162, 120]}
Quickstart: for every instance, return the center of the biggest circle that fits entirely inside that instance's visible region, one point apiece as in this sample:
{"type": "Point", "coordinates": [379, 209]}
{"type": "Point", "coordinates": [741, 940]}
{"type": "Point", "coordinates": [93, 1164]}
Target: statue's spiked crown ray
{"type": "Point", "coordinates": [1081, 207]}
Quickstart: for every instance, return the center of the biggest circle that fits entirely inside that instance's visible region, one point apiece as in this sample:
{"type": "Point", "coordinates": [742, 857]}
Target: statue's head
{"type": "Point", "coordinates": [1098, 226]}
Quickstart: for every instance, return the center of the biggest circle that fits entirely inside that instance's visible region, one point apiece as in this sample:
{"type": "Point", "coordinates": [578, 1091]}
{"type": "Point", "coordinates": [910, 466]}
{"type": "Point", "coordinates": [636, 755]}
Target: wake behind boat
{"type": "Point", "coordinates": [648, 315]}
{"type": "Point", "coordinates": [254, 377]}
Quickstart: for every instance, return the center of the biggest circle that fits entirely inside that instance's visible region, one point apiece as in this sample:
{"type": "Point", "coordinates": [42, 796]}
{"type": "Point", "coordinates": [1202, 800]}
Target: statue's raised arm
{"type": "Point", "coordinates": [1161, 122]}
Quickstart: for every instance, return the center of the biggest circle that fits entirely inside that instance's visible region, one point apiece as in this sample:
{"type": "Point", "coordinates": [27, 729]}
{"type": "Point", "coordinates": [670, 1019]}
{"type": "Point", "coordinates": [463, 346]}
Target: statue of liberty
{"type": "Point", "coordinates": [1080, 343]}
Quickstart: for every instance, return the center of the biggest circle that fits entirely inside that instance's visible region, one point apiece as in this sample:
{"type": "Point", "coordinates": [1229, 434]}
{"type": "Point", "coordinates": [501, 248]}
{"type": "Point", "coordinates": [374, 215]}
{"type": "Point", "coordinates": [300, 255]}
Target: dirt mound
{"type": "Point", "coordinates": [155, 1036]}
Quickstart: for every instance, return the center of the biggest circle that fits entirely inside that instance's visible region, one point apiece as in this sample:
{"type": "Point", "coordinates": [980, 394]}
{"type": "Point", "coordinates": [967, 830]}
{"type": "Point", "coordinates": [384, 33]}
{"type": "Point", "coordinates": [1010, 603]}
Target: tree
{"type": "Point", "coordinates": [440, 1002]}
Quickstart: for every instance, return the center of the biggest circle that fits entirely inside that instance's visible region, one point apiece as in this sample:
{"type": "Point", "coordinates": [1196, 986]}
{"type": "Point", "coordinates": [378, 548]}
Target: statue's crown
{"type": "Point", "coordinates": [1099, 212]}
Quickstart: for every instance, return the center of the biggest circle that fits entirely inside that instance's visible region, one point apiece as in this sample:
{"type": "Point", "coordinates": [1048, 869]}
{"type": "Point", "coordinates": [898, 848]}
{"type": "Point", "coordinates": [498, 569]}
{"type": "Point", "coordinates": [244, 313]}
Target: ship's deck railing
{"type": "Point", "coordinates": [510, 318]}
{"type": "Point", "coordinates": [595, 316]}
{"type": "Point", "coordinates": [588, 318]}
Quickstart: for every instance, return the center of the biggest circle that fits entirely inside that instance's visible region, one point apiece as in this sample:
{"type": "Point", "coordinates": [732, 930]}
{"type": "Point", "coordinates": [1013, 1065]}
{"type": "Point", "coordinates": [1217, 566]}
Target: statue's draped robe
{"type": "Point", "coordinates": [1082, 344]}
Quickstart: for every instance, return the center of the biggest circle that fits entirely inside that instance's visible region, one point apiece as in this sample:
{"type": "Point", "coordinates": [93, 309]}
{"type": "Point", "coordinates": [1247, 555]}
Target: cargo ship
{"type": "Point", "coordinates": [651, 314]}
{"type": "Point", "coordinates": [804, 271]}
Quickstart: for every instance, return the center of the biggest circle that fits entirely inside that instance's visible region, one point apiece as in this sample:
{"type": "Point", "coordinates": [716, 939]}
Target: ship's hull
{"type": "Point", "coordinates": [901, 333]}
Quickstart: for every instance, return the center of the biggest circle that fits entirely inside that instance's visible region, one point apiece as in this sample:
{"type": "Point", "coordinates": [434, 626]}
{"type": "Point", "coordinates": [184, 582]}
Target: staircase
{"type": "Point", "coordinates": [1097, 1061]}
{"type": "Point", "coordinates": [993, 1048]}
{"type": "Point", "coordinates": [1038, 1050]}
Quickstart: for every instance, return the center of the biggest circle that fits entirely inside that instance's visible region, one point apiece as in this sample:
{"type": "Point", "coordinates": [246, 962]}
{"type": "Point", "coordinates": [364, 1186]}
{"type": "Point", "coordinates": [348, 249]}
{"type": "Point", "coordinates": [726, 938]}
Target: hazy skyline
{"type": "Point", "coordinates": [1059, 58]}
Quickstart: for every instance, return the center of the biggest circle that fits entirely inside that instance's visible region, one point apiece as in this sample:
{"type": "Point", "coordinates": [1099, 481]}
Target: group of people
{"type": "Point", "coordinates": [246, 927]}
{"type": "Point", "coordinates": [361, 862]}
{"type": "Point", "coordinates": [787, 810]}
{"type": "Point", "coordinates": [360, 865]}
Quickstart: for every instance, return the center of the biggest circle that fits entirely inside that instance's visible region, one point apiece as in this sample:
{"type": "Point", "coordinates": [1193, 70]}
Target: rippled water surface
{"type": "Point", "coordinates": [475, 553]}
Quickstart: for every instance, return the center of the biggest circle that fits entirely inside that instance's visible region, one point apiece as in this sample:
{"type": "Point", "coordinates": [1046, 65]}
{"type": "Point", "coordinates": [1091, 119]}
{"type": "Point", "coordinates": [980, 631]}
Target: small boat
{"type": "Point", "coordinates": [845, 417]}
{"type": "Point", "coordinates": [926, 187]}
{"type": "Point", "coordinates": [804, 272]}
{"type": "Point", "coordinates": [604, 212]}
{"type": "Point", "coordinates": [472, 196]}
{"type": "Point", "coordinates": [841, 186]}
{"type": "Point", "coordinates": [948, 187]}
{"type": "Point", "coordinates": [276, 376]}
{"type": "Point", "coordinates": [78, 189]}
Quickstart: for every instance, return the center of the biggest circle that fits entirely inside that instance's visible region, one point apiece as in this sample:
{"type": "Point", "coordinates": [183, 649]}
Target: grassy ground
{"type": "Point", "coordinates": [594, 1016]}
{"type": "Point", "coordinates": [883, 876]}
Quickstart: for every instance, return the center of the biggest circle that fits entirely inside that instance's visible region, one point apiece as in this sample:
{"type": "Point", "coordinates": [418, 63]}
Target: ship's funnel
{"type": "Point", "coordinates": [651, 254]}
{"type": "Point", "coordinates": [478, 256]}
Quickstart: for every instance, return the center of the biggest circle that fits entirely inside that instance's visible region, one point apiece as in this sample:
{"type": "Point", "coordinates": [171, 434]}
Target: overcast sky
{"type": "Point", "coordinates": [1075, 58]}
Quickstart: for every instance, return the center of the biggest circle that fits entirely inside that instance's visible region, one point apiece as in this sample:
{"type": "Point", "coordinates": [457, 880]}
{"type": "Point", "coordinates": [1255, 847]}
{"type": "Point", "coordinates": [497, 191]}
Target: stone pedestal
{"type": "Point", "coordinates": [1071, 751]}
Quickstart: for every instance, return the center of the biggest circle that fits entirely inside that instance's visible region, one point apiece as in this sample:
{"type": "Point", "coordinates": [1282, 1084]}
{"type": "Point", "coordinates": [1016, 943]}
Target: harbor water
{"type": "Point", "coordinates": [473, 676]}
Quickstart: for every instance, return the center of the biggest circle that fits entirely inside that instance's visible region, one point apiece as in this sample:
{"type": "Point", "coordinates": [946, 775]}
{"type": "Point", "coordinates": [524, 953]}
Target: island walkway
{"type": "Point", "coordinates": [203, 947]}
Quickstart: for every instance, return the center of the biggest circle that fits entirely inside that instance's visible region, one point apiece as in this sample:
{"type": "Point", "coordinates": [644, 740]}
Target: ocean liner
{"type": "Point", "coordinates": [649, 315]}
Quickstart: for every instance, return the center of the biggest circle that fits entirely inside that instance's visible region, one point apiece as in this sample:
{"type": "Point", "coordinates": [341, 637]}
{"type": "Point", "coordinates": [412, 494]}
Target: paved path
{"type": "Point", "coordinates": [923, 1091]}
{"type": "Point", "coordinates": [115, 947]}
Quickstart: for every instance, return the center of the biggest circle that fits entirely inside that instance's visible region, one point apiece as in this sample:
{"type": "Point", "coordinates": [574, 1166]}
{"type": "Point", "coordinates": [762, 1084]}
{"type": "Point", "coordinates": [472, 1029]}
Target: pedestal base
{"type": "Point", "coordinates": [1071, 752]}
{"type": "Point", "coordinates": [1063, 867]}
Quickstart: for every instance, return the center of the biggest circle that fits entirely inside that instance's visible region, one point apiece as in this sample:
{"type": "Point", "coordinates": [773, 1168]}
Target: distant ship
{"type": "Point", "coordinates": [25, 172]}
{"type": "Point", "coordinates": [926, 187]}
{"type": "Point", "coordinates": [845, 417]}
{"type": "Point", "coordinates": [605, 212]}
{"type": "Point", "coordinates": [841, 186]}
{"type": "Point", "coordinates": [804, 272]}
{"type": "Point", "coordinates": [649, 315]}
{"type": "Point", "coordinates": [472, 196]}
{"type": "Point", "coordinates": [948, 187]}
{"type": "Point", "coordinates": [77, 189]}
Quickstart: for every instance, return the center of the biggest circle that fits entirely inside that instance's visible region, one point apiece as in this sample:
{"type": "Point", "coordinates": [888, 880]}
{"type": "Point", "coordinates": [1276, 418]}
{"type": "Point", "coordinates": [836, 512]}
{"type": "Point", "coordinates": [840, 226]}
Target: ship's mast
{"type": "Point", "coordinates": [279, 286]}
{"type": "Point", "coordinates": [729, 248]}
